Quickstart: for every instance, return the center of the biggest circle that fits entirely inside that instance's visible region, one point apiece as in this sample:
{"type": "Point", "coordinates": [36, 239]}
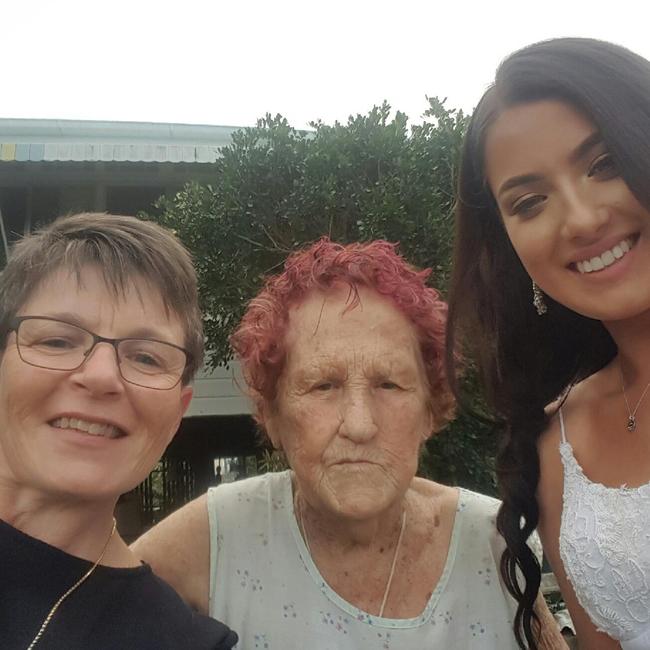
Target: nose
{"type": "Point", "coordinates": [100, 372]}
{"type": "Point", "coordinates": [357, 417]}
{"type": "Point", "coordinates": [585, 215]}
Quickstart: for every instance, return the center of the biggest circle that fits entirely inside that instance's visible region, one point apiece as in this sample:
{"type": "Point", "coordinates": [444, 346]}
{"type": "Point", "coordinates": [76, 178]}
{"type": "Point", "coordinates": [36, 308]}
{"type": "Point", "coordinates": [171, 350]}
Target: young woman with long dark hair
{"type": "Point", "coordinates": [551, 293]}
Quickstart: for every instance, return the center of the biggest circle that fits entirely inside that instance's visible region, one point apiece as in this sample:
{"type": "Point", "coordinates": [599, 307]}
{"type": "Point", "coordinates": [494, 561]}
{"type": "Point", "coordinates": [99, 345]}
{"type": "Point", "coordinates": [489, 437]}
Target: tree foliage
{"type": "Point", "coordinates": [276, 189]}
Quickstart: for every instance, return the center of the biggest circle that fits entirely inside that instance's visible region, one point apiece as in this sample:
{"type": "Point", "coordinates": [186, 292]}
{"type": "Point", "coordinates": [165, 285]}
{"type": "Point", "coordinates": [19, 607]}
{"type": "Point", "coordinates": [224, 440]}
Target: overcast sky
{"type": "Point", "coordinates": [229, 62]}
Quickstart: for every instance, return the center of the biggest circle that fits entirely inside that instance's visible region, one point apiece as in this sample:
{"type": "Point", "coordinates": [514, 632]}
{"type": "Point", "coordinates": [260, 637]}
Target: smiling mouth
{"type": "Point", "coordinates": [606, 258]}
{"type": "Point", "coordinates": [99, 429]}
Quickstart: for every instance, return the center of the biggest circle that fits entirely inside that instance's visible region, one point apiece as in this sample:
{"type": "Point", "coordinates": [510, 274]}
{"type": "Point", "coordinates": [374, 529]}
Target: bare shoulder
{"type": "Point", "coordinates": [178, 550]}
{"type": "Point", "coordinates": [572, 411]}
{"type": "Point", "coordinates": [548, 445]}
{"type": "Point", "coordinates": [550, 488]}
{"type": "Point", "coordinates": [445, 495]}
{"type": "Point", "coordinates": [184, 527]}
{"type": "Point", "coordinates": [434, 502]}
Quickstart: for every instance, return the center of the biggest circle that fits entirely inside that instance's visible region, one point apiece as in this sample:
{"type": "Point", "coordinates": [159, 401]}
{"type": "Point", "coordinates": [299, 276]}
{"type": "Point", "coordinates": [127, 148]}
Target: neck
{"type": "Point", "coordinates": [79, 528]}
{"type": "Point", "coordinates": [343, 533]}
{"type": "Point", "coordinates": [633, 342]}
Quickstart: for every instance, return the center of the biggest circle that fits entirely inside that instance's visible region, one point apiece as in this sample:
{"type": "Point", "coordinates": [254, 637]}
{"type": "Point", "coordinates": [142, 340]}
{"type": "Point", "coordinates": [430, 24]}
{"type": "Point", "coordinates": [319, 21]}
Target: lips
{"type": "Point", "coordinates": [93, 428]}
{"type": "Point", "coordinates": [360, 461]}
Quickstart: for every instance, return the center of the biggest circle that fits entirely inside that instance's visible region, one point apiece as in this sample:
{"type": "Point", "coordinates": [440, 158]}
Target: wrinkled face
{"type": "Point", "coordinates": [45, 415]}
{"type": "Point", "coordinates": [573, 221]}
{"type": "Point", "coordinates": [352, 406]}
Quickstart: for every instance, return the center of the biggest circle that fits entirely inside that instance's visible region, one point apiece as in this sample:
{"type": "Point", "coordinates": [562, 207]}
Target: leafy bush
{"type": "Point", "coordinates": [276, 189]}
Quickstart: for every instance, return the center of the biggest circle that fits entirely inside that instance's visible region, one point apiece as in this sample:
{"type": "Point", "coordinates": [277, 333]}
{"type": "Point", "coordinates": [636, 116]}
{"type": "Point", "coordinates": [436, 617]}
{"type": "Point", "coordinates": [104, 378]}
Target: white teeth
{"type": "Point", "coordinates": [597, 264]}
{"type": "Point", "coordinates": [608, 258]}
{"type": "Point", "coordinates": [92, 428]}
{"type": "Point", "coordinates": [605, 259]}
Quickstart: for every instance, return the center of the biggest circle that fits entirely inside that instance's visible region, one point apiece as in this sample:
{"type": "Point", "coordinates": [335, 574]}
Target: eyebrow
{"type": "Point", "coordinates": [138, 333]}
{"type": "Point", "coordinates": [515, 181]}
{"type": "Point", "coordinates": [585, 146]}
{"type": "Point", "coordinates": [577, 154]}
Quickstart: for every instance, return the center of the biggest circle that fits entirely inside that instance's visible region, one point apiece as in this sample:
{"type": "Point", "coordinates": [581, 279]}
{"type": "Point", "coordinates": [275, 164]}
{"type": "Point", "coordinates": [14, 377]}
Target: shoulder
{"type": "Point", "coordinates": [548, 449]}
{"type": "Point", "coordinates": [178, 549]}
{"type": "Point", "coordinates": [478, 505]}
{"type": "Point", "coordinates": [476, 539]}
{"type": "Point", "coordinates": [262, 484]}
{"type": "Point", "coordinates": [187, 525]}
{"type": "Point", "coordinates": [171, 622]}
{"type": "Point", "coordinates": [470, 512]}
{"type": "Point", "coordinates": [255, 489]}
{"type": "Point", "coordinates": [477, 515]}
{"type": "Point", "coordinates": [480, 512]}
{"type": "Point", "coordinates": [434, 499]}
{"type": "Point", "coordinates": [460, 501]}
{"type": "Point", "coordinates": [573, 414]}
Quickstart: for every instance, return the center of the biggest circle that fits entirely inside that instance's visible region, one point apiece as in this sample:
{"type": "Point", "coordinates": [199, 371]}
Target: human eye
{"type": "Point", "coordinates": [146, 359]}
{"type": "Point", "coordinates": [55, 344]}
{"type": "Point", "coordinates": [388, 385]}
{"type": "Point", "coordinates": [146, 356]}
{"type": "Point", "coordinates": [60, 342]}
{"type": "Point", "coordinates": [604, 167]}
{"type": "Point", "coordinates": [323, 383]}
{"type": "Point", "coordinates": [323, 386]}
{"type": "Point", "coordinates": [51, 337]}
{"type": "Point", "coordinates": [528, 205]}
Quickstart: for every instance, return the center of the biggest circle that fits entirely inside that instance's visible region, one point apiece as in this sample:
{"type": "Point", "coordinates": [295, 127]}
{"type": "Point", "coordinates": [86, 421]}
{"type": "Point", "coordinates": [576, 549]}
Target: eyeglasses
{"type": "Point", "coordinates": [57, 345]}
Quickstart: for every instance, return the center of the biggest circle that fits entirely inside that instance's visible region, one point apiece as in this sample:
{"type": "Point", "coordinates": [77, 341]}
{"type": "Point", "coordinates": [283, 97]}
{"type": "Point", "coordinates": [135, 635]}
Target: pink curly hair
{"type": "Point", "coordinates": [258, 341]}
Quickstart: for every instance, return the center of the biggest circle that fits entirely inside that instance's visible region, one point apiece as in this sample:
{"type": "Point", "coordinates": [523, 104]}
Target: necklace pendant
{"type": "Point", "coordinates": [631, 423]}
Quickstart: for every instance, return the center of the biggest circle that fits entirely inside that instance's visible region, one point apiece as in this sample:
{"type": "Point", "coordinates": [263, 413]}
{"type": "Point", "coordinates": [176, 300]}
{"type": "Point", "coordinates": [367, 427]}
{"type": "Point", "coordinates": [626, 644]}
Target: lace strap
{"type": "Point", "coordinates": [562, 430]}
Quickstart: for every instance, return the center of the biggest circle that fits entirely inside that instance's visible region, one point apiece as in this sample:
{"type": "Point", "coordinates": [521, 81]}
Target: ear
{"type": "Point", "coordinates": [430, 427]}
{"type": "Point", "coordinates": [266, 418]}
{"type": "Point", "coordinates": [184, 399]}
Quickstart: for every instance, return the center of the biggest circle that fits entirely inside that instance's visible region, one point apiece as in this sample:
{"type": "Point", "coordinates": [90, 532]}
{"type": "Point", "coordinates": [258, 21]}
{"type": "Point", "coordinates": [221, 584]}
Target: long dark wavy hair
{"type": "Point", "coordinates": [527, 361]}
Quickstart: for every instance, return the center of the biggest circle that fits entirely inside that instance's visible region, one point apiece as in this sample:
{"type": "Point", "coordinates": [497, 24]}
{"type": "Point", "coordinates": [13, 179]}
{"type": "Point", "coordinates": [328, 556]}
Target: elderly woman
{"type": "Point", "coordinates": [100, 335]}
{"type": "Point", "coordinates": [343, 357]}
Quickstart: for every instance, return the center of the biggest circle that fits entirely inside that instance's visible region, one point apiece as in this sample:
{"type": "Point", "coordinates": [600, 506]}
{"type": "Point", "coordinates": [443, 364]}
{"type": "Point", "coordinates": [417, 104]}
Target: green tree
{"type": "Point", "coordinates": [276, 189]}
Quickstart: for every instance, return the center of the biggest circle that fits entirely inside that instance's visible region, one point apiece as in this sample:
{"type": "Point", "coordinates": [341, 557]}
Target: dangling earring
{"type": "Point", "coordinates": [538, 300]}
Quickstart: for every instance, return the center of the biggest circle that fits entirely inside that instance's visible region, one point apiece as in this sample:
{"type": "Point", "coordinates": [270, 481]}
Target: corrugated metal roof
{"type": "Point", "coordinates": [92, 141]}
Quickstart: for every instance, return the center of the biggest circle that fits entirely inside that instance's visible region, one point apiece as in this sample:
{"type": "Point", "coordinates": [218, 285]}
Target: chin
{"type": "Point", "coordinates": [613, 313]}
{"type": "Point", "coordinates": [614, 303]}
{"type": "Point", "coordinates": [84, 487]}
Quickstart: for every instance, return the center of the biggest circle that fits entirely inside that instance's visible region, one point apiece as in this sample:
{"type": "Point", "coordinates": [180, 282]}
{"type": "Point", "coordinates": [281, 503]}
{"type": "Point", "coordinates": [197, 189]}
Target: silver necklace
{"type": "Point", "coordinates": [393, 565]}
{"type": "Point", "coordinates": [631, 414]}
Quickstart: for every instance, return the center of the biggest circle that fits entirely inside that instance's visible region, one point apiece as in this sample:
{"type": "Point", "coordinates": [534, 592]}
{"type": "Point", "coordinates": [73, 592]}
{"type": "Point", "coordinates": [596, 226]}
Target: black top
{"type": "Point", "coordinates": [115, 609]}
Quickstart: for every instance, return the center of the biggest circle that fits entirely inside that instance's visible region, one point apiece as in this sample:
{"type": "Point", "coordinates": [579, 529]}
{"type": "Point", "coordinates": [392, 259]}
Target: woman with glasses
{"type": "Point", "coordinates": [100, 334]}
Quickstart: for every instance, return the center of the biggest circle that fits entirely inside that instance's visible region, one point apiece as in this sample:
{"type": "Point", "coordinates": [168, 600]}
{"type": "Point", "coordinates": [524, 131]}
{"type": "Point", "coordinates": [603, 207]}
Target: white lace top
{"type": "Point", "coordinates": [605, 548]}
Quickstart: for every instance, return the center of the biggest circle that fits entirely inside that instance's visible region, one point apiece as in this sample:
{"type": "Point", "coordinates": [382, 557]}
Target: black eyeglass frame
{"type": "Point", "coordinates": [15, 322]}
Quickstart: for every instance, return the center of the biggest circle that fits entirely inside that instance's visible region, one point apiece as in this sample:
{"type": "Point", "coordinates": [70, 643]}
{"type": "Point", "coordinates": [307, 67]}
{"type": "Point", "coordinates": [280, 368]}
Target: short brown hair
{"type": "Point", "coordinates": [121, 247]}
